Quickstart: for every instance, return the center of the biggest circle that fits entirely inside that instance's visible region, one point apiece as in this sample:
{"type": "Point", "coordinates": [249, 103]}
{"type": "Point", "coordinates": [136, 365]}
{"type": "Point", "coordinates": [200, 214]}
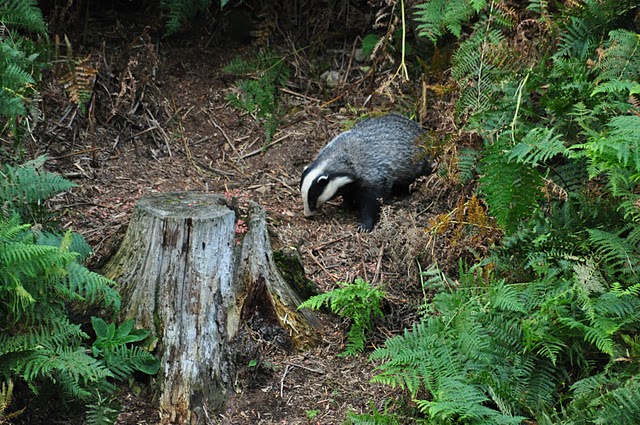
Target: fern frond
{"type": "Point", "coordinates": [621, 59]}
{"type": "Point", "coordinates": [538, 146]}
{"type": "Point", "coordinates": [71, 367]}
{"type": "Point", "coordinates": [619, 255]}
{"type": "Point", "coordinates": [25, 186]}
{"type": "Point", "coordinates": [94, 288]}
{"type": "Point", "coordinates": [181, 11]}
{"type": "Point", "coordinates": [103, 412]}
{"type": "Point", "coordinates": [467, 163]}
{"type": "Point", "coordinates": [78, 244]}
{"type": "Point", "coordinates": [24, 15]}
{"type": "Point", "coordinates": [512, 190]}
{"type": "Point", "coordinates": [358, 301]}
{"type": "Point", "coordinates": [260, 95]}
{"type": "Point", "coordinates": [436, 17]}
{"type": "Point", "coordinates": [79, 82]}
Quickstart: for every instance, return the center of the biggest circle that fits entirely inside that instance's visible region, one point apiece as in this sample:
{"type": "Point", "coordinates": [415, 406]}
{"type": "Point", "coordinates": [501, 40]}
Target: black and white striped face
{"type": "Point", "coordinates": [317, 187]}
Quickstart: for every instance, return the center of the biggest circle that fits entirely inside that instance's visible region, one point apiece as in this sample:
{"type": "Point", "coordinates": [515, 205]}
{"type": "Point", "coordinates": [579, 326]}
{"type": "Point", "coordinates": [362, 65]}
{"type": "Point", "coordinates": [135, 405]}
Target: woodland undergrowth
{"type": "Point", "coordinates": [45, 289]}
{"type": "Point", "coordinates": [545, 329]}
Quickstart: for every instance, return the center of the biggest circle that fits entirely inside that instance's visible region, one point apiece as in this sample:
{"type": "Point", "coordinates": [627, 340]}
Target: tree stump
{"type": "Point", "coordinates": [192, 268]}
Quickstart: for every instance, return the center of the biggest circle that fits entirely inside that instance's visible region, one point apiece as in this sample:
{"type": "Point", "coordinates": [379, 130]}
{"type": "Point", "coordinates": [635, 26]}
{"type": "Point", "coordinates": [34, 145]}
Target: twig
{"type": "Point", "coordinates": [286, 370]}
{"type": "Point", "coordinates": [378, 265]}
{"type": "Point", "coordinates": [303, 96]}
{"type": "Point", "coordinates": [75, 153]}
{"type": "Point", "coordinates": [364, 265]}
{"type": "Point", "coordinates": [214, 170]}
{"type": "Point", "coordinates": [262, 149]}
{"type": "Point", "coordinates": [216, 125]}
{"type": "Point", "coordinates": [162, 132]}
{"type": "Point", "coordinates": [306, 368]}
{"type": "Point", "coordinates": [324, 244]}
{"type": "Point", "coordinates": [313, 257]}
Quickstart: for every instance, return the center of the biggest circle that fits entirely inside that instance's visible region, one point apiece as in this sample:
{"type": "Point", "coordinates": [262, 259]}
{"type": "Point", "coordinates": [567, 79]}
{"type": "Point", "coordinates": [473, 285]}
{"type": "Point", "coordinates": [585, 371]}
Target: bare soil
{"type": "Point", "coordinates": [160, 122]}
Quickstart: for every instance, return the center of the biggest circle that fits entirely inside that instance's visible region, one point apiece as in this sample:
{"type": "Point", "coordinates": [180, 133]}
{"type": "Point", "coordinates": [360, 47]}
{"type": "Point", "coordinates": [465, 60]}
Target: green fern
{"type": "Point", "coordinates": [500, 356]}
{"type": "Point", "coordinates": [513, 190]}
{"type": "Point", "coordinates": [21, 63]}
{"type": "Point", "coordinates": [559, 171]}
{"type": "Point", "coordinates": [467, 163]}
{"type": "Point", "coordinates": [464, 358]}
{"type": "Point", "coordinates": [181, 11]}
{"type": "Point", "coordinates": [40, 279]}
{"type": "Point", "coordinates": [23, 187]}
{"type": "Point", "coordinates": [587, 25]}
{"type": "Point", "coordinates": [621, 59]}
{"type": "Point", "coordinates": [104, 411]}
{"type": "Point", "coordinates": [474, 68]}
{"type": "Point", "coordinates": [538, 147]}
{"type": "Point", "coordinates": [22, 14]}
{"type": "Point", "coordinates": [437, 17]}
{"type": "Point", "coordinates": [259, 95]}
{"type": "Point", "coordinates": [358, 301]}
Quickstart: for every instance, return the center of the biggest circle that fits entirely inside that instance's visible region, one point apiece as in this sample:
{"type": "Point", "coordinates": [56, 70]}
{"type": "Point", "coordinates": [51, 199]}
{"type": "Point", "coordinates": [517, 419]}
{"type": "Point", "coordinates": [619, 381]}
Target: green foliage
{"type": "Point", "coordinates": [41, 278]}
{"type": "Point", "coordinates": [358, 301]}
{"type": "Point", "coordinates": [259, 95]}
{"type": "Point", "coordinates": [181, 11]}
{"type": "Point", "coordinates": [548, 331]}
{"type": "Point", "coordinates": [112, 345]}
{"type": "Point", "coordinates": [512, 189]}
{"type": "Point", "coordinates": [37, 340]}
{"type": "Point", "coordinates": [21, 62]}
{"type": "Point", "coordinates": [103, 411]}
{"type": "Point", "coordinates": [23, 187]}
{"type": "Point", "coordinates": [491, 352]}
{"type": "Point", "coordinates": [373, 418]}
{"type": "Point", "coordinates": [369, 43]}
{"type": "Point", "coordinates": [437, 17]}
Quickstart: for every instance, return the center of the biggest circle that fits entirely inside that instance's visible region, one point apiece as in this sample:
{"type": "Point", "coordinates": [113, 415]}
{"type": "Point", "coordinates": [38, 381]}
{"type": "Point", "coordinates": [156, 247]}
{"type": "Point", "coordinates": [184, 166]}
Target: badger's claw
{"type": "Point", "coordinates": [365, 227]}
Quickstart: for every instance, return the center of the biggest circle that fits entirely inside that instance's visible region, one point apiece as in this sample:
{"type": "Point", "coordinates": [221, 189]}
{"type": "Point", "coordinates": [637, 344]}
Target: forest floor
{"type": "Point", "coordinates": [161, 122]}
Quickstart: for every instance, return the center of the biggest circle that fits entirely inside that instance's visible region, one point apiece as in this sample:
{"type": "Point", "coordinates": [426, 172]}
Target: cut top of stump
{"type": "Point", "coordinates": [185, 205]}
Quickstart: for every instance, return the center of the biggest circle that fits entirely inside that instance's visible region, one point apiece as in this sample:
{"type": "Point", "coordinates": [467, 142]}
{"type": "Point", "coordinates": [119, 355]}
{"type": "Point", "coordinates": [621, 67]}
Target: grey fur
{"type": "Point", "coordinates": [379, 155]}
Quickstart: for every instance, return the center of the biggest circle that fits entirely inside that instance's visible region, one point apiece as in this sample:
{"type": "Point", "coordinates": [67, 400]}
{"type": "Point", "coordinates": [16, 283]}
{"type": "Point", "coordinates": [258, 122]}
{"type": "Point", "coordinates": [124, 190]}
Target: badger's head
{"type": "Point", "coordinates": [319, 185]}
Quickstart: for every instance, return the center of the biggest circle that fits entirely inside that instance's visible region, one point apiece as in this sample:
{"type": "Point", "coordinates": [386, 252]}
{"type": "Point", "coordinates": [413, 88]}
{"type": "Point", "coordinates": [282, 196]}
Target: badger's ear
{"type": "Point", "coordinates": [323, 180]}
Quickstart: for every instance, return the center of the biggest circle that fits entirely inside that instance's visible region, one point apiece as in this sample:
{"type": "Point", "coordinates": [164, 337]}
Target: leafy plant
{"type": "Point", "coordinates": [358, 301]}
{"type": "Point", "coordinates": [437, 17]}
{"type": "Point", "coordinates": [374, 418]}
{"type": "Point", "coordinates": [41, 280]}
{"type": "Point", "coordinates": [37, 340]}
{"type": "Point", "coordinates": [545, 329]}
{"type": "Point", "coordinates": [24, 187]}
{"type": "Point", "coordinates": [113, 347]}
{"type": "Point", "coordinates": [259, 95]}
{"type": "Point", "coordinates": [312, 414]}
{"type": "Point", "coordinates": [181, 11]}
{"type": "Point", "coordinates": [21, 63]}
{"type": "Point", "coordinates": [491, 352]}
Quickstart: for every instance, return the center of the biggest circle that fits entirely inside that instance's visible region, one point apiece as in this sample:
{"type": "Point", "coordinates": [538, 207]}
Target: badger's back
{"type": "Point", "coordinates": [380, 152]}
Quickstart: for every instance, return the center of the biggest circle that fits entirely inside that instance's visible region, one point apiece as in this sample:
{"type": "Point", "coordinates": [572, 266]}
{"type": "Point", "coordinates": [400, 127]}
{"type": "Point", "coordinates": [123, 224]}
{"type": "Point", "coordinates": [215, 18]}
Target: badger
{"type": "Point", "coordinates": [377, 158]}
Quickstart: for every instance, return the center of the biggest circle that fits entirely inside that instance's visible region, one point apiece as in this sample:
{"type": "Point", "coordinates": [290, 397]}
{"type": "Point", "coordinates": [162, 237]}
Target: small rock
{"type": "Point", "coordinates": [331, 78]}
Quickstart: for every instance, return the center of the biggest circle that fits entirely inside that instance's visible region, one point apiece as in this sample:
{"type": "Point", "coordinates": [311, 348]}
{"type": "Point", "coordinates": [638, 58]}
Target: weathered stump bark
{"type": "Point", "coordinates": [191, 272]}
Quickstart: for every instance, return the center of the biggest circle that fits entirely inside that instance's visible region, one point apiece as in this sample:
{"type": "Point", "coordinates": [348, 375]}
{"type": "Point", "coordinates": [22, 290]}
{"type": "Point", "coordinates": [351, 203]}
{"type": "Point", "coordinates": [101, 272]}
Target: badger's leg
{"type": "Point", "coordinates": [369, 208]}
{"type": "Point", "coordinates": [349, 202]}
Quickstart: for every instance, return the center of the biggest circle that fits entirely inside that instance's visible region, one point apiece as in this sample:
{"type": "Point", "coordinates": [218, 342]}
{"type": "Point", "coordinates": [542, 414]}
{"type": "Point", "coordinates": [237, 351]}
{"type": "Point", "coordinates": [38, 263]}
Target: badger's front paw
{"type": "Point", "coordinates": [365, 227]}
